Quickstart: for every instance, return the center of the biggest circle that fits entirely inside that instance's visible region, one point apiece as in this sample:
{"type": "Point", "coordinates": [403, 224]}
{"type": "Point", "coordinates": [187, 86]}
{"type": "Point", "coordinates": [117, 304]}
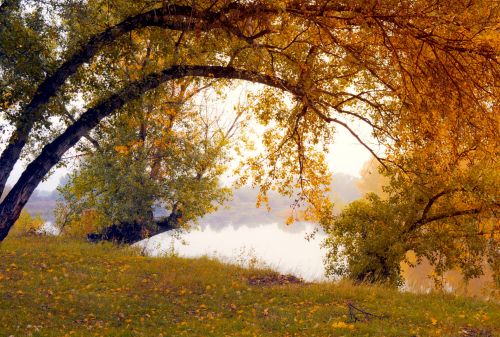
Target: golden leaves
{"type": "Point", "coordinates": [342, 325]}
{"type": "Point", "coordinates": [122, 149]}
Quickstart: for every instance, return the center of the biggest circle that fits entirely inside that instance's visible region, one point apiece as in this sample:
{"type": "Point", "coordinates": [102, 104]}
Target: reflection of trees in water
{"type": "Point", "coordinates": [242, 210]}
{"type": "Point", "coordinates": [418, 279]}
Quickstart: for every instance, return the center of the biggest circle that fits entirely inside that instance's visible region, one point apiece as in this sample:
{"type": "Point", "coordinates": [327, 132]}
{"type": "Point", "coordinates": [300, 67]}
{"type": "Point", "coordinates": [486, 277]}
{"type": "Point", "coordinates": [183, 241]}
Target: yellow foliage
{"type": "Point", "coordinates": [27, 223]}
{"type": "Point", "coordinates": [121, 149]}
{"type": "Point", "coordinates": [87, 223]}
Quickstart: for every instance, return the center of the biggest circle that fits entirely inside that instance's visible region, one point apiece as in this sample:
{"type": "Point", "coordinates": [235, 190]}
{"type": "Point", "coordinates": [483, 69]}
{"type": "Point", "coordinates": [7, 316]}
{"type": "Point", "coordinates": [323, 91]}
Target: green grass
{"type": "Point", "coordinates": [56, 287]}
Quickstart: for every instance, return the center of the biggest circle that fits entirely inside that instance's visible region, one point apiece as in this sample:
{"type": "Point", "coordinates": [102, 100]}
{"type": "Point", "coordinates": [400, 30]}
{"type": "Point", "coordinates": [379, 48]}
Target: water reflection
{"type": "Point", "coordinates": [286, 250]}
{"type": "Point", "coordinates": [270, 245]}
{"type": "Point", "coordinates": [418, 280]}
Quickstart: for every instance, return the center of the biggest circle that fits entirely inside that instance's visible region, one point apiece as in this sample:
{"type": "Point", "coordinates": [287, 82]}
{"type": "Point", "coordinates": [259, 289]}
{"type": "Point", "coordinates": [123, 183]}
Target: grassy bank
{"type": "Point", "coordinates": [51, 287]}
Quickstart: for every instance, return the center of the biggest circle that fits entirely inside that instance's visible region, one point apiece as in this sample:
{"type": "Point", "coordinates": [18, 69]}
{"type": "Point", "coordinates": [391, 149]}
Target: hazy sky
{"type": "Point", "coordinates": [346, 154]}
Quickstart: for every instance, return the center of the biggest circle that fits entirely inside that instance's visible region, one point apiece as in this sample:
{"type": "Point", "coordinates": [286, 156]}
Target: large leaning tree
{"type": "Point", "coordinates": [162, 154]}
{"type": "Point", "coordinates": [418, 72]}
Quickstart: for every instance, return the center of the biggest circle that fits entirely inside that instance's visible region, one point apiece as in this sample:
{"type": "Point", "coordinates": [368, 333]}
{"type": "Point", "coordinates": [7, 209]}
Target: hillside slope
{"type": "Point", "coordinates": [51, 287]}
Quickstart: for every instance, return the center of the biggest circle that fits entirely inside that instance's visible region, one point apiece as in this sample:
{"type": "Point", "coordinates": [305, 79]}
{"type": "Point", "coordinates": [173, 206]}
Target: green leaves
{"type": "Point", "coordinates": [446, 221]}
{"type": "Point", "coordinates": [157, 154]}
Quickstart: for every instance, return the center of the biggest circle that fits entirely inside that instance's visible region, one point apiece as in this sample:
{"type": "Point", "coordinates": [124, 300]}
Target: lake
{"type": "Point", "coordinates": [284, 249]}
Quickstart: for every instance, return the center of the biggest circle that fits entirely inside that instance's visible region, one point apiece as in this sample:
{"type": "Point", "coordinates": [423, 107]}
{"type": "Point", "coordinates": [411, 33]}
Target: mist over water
{"type": "Point", "coordinates": [270, 245]}
{"type": "Point", "coordinates": [286, 250]}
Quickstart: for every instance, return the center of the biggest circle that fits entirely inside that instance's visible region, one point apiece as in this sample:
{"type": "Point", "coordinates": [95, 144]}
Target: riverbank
{"type": "Point", "coordinates": [55, 287]}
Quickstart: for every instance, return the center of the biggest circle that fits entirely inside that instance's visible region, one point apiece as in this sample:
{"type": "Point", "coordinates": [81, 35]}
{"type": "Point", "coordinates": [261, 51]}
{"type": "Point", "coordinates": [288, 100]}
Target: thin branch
{"type": "Point", "coordinates": [354, 311]}
{"type": "Point", "coordinates": [351, 131]}
{"type": "Point", "coordinates": [437, 217]}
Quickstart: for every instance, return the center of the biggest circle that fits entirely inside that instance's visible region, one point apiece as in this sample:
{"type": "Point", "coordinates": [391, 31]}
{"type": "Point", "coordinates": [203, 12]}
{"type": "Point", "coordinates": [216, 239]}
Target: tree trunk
{"type": "Point", "coordinates": [172, 221]}
{"type": "Point", "coordinates": [130, 233]}
{"type": "Point", "coordinates": [52, 153]}
{"type": "Point", "coordinates": [8, 159]}
{"type": "Point", "coordinates": [51, 84]}
{"type": "Point", "coordinates": [123, 233]}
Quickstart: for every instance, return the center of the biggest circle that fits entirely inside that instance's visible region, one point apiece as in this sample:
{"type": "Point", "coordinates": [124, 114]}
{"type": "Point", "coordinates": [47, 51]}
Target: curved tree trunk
{"type": "Point", "coordinates": [51, 84]}
{"type": "Point", "coordinates": [52, 153]}
{"type": "Point", "coordinates": [174, 17]}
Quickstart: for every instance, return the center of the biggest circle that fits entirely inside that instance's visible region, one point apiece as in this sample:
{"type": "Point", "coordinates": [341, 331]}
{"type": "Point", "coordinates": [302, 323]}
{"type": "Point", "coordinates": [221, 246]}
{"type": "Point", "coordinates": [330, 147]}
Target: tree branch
{"type": "Point", "coordinates": [173, 18]}
{"type": "Point", "coordinates": [452, 215]}
{"type": "Point", "coordinates": [52, 153]}
{"type": "Point", "coordinates": [351, 131]}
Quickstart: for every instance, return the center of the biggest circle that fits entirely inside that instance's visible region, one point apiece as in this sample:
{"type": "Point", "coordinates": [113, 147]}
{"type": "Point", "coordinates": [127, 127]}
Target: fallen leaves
{"type": "Point", "coordinates": [202, 303]}
{"type": "Point", "coordinates": [342, 325]}
{"type": "Point", "coordinates": [274, 279]}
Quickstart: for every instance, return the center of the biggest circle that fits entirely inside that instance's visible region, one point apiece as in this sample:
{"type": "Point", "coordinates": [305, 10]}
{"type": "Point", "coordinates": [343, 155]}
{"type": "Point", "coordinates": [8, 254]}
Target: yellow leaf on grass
{"type": "Point", "coordinates": [342, 325]}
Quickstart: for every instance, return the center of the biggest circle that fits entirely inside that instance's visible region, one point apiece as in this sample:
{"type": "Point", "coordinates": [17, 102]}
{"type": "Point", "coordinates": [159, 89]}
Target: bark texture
{"type": "Point", "coordinates": [130, 233]}
{"type": "Point", "coordinates": [52, 153]}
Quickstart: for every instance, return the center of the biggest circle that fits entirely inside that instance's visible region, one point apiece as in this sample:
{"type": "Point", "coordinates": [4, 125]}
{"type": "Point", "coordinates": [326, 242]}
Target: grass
{"type": "Point", "coordinates": [55, 287]}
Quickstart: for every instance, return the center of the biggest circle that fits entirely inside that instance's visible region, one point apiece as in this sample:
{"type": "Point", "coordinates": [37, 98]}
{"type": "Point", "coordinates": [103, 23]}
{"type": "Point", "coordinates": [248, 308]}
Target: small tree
{"type": "Point", "coordinates": [28, 224]}
{"type": "Point", "coordinates": [165, 157]}
{"type": "Point", "coordinates": [451, 222]}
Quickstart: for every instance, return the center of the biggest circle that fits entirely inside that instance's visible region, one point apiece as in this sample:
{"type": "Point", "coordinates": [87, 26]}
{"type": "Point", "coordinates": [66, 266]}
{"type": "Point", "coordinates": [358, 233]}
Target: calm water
{"type": "Point", "coordinates": [284, 249]}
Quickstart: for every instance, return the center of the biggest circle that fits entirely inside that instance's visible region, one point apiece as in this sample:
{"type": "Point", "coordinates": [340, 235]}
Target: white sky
{"type": "Point", "coordinates": [346, 154]}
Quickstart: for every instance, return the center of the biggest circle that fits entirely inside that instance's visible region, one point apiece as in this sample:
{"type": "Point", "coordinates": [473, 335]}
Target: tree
{"type": "Point", "coordinates": [165, 151]}
{"type": "Point", "coordinates": [363, 242]}
{"type": "Point", "coordinates": [167, 157]}
{"type": "Point", "coordinates": [452, 223]}
{"type": "Point", "coordinates": [27, 224]}
{"type": "Point", "coordinates": [412, 70]}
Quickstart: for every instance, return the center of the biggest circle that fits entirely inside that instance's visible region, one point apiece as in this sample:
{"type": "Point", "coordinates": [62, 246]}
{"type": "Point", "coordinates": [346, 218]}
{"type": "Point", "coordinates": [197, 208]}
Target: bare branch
{"type": "Point", "coordinates": [351, 131]}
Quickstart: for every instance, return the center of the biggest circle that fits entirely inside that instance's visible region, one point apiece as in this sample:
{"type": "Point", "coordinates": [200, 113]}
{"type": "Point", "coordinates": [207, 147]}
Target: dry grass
{"type": "Point", "coordinates": [52, 287]}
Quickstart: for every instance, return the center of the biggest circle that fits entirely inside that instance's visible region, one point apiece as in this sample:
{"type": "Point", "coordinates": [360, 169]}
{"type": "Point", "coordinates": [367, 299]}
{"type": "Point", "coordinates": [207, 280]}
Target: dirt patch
{"type": "Point", "coordinates": [275, 279]}
{"type": "Point", "coordinates": [475, 332]}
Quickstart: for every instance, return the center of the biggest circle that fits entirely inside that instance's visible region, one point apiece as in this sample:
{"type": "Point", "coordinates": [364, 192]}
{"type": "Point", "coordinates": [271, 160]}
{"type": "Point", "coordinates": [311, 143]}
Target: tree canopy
{"type": "Point", "coordinates": [423, 74]}
{"type": "Point", "coordinates": [166, 158]}
{"type": "Point", "coordinates": [453, 224]}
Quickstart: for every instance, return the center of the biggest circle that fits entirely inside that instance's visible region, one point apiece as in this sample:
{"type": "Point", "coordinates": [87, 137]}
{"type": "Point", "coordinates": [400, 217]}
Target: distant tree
{"type": "Point", "coordinates": [372, 180]}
